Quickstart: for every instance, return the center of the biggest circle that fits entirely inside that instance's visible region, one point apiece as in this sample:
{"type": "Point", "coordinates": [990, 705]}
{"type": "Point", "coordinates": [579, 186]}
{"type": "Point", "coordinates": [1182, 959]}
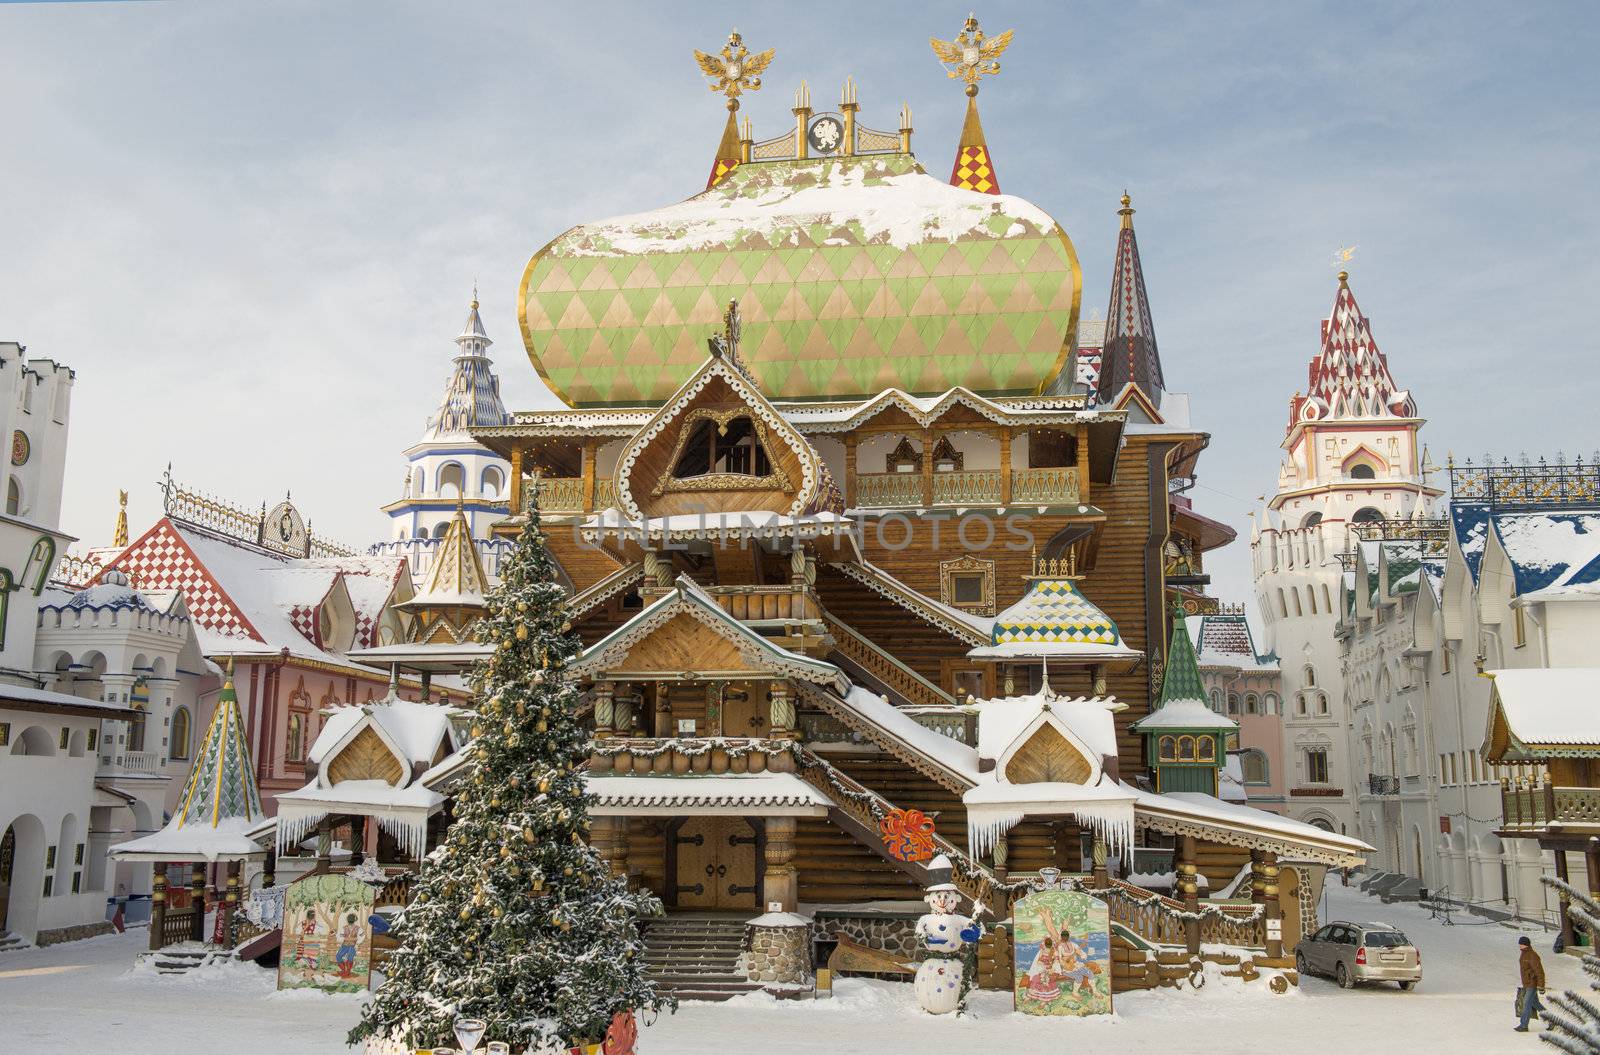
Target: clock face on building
{"type": "Point", "coordinates": [20, 448]}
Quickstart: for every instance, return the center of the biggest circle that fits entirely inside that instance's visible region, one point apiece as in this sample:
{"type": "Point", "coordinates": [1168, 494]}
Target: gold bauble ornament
{"type": "Point", "coordinates": [544, 785]}
{"type": "Point", "coordinates": [567, 870]}
{"type": "Point", "coordinates": [541, 726]}
{"type": "Point", "coordinates": [505, 851]}
{"type": "Point", "coordinates": [466, 913]}
{"type": "Point", "coordinates": [522, 631]}
{"type": "Point", "coordinates": [527, 835]}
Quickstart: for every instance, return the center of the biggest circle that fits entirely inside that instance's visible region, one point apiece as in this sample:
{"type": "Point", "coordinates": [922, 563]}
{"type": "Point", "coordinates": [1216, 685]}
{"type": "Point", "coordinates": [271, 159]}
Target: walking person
{"type": "Point", "coordinates": [1532, 977]}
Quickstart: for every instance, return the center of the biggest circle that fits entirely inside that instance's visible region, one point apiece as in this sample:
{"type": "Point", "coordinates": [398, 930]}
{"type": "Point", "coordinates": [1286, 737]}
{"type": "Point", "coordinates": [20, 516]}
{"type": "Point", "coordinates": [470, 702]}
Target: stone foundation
{"type": "Point", "coordinates": [892, 934]}
{"type": "Point", "coordinates": [82, 930]}
{"type": "Point", "coordinates": [779, 954]}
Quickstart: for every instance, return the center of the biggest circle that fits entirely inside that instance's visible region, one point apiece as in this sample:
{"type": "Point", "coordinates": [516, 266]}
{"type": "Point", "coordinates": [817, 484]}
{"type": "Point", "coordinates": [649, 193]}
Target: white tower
{"type": "Point", "coordinates": [1352, 457]}
{"type": "Point", "coordinates": [446, 469]}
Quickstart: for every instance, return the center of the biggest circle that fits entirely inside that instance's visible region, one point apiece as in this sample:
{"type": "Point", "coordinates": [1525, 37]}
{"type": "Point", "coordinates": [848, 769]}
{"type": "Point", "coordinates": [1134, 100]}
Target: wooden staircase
{"type": "Point", "coordinates": [696, 956]}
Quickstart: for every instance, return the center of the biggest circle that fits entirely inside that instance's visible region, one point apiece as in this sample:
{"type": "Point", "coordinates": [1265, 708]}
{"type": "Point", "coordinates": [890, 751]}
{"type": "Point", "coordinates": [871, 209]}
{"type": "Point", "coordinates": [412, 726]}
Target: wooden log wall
{"type": "Point", "coordinates": [647, 853]}
{"type": "Point", "coordinates": [1220, 863]}
{"type": "Point", "coordinates": [834, 868]}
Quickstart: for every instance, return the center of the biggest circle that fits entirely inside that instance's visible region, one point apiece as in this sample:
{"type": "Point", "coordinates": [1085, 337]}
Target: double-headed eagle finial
{"type": "Point", "coordinates": [735, 71]}
{"type": "Point", "coordinates": [971, 55]}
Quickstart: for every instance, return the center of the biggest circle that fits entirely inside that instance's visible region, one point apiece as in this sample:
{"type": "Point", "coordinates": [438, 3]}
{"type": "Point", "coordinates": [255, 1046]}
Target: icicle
{"type": "Point", "coordinates": [293, 825]}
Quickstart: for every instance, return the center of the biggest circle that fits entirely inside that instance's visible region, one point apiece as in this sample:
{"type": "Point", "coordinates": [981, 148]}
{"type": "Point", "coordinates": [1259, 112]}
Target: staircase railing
{"type": "Point", "coordinates": [1162, 919]}
{"type": "Point", "coordinates": [886, 669]}
{"type": "Point", "coordinates": [867, 808]}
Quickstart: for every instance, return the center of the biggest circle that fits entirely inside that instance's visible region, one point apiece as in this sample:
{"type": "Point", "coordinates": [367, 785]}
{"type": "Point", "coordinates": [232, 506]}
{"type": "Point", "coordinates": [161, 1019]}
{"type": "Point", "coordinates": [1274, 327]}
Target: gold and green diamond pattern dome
{"type": "Point", "coordinates": [1054, 611]}
{"type": "Point", "coordinates": [853, 275]}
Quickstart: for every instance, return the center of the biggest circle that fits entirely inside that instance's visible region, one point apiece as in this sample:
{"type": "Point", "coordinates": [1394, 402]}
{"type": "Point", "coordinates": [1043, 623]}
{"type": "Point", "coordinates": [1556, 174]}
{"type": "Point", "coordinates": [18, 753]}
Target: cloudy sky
{"type": "Point", "coordinates": [252, 228]}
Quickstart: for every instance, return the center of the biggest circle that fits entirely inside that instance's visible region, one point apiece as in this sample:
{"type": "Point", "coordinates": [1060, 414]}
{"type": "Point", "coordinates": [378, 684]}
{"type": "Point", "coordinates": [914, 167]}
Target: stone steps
{"type": "Point", "coordinates": [11, 943]}
{"type": "Point", "coordinates": [182, 961]}
{"type": "Point", "coordinates": [697, 957]}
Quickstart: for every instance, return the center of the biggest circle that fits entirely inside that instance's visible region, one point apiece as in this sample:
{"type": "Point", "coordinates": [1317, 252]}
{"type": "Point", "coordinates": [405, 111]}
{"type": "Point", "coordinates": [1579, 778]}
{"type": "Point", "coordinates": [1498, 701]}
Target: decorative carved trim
{"type": "Point", "coordinates": [604, 590]}
{"type": "Point", "coordinates": [1216, 833]}
{"type": "Point", "coordinates": [777, 480]}
{"type": "Point", "coordinates": [968, 564]}
{"type": "Point", "coordinates": [945, 451]}
{"type": "Point", "coordinates": [903, 454]}
{"type": "Point", "coordinates": [835, 708]}
{"type": "Point", "coordinates": [760, 411]}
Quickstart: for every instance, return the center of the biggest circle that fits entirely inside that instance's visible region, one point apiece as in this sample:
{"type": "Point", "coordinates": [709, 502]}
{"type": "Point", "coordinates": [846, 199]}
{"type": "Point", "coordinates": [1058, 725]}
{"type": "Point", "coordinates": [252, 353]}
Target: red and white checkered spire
{"type": "Point", "coordinates": [1349, 377]}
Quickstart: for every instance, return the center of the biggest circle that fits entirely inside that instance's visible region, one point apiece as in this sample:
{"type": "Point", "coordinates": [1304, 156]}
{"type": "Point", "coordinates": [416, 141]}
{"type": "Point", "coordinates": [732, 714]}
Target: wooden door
{"type": "Point", "coordinates": [716, 864]}
{"type": "Point", "coordinates": [745, 711]}
{"type": "Point", "coordinates": [1289, 880]}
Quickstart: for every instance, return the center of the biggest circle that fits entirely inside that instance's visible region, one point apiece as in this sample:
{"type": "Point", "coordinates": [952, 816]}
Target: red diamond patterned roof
{"type": "Point", "coordinates": [161, 560]}
{"type": "Point", "coordinates": [1349, 376]}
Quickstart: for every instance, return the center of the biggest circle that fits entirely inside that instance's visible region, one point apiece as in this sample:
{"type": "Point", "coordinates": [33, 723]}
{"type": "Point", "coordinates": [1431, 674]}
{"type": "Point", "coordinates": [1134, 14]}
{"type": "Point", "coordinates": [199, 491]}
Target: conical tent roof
{"type": "Point", "coordinates": [1183, 694]}
{"type": "Point", "coordinates": [220, 803]}
{"type": "Point", "coordinates": [456, 579]}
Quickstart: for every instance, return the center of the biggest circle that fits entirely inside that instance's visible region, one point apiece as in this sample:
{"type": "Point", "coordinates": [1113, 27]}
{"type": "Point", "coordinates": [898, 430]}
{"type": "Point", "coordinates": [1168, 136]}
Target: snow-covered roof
{"type": "Point", "coordinates": [1168, 812]}
{"type": "Point", "coordinates": [28, 698]}
{"type": "Point", "coordinates": [690, 598]}
{"type": "Point", "coordinates": [1540, 707]}
{"type": "Point", "coordinates": [1226, 641]}
{"type": "Point", "coordinates": [958, 758]}
{"type": "Point", "coordinates": [767, 794]}
{"type": "Point", "coordinates": [995, 806]}
{"type": "Point", "coordinates": [1550, 549]}
{"type": "Point", "coordinates": [1001, 722]}
{"type": "Point", "coordinates": [416, 656]}
{"type": "Point", "coordinates": [219, 804]}
{"type": "Point", "coordinates": [1184, 714]}
{"type": "Point", "coordinates": [415, 729]}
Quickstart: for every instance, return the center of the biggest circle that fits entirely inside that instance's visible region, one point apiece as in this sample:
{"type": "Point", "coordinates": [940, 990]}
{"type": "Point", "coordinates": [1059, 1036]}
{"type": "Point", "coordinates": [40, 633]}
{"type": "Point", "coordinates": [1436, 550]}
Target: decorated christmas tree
{"type": "Point", "coordinates": [1573, 1019]}
{"type": "Point", "coordinates": [517, 921]}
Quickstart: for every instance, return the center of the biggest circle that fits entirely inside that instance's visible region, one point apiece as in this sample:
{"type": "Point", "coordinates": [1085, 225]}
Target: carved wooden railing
{"type": "Point", "coordinates": [177, 926]}
{"type": "Point", "coordinates": [889, 490]}
{"type": "Point", "coordinates": [564, 494]}
{"type": "Point", "coordinates": [1045, 486]}
{"type": "Point", "coordinates": [1536, 805]}
{"type": "Point", "coordinates": [889, 671]}
{"type": "Point", "coordinates": [958, 723]}
{"type": "Point", "coordinates": [750, 603]}
{"type": "Point", "coordinates": [963, 488]}
{"type": "Point", "coordinates": [1161, 919]}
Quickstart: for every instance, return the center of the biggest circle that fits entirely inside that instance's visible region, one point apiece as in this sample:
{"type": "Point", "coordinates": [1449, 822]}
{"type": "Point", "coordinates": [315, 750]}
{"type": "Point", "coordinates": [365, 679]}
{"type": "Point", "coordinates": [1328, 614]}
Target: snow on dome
{"type": "Point", "coordinates": [853, 274]}
{"type": "Point", "coordinates": [111, 591]}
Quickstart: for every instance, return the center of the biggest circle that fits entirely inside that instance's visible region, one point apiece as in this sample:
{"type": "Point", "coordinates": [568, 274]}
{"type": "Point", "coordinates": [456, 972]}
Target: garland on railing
{"type": "Point", "coordinates": [695, 748]}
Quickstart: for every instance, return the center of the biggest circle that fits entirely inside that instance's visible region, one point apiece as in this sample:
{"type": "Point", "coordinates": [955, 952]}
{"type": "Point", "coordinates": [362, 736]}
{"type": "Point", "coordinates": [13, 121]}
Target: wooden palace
{"type": "Point", "coordinates": [858, 516]}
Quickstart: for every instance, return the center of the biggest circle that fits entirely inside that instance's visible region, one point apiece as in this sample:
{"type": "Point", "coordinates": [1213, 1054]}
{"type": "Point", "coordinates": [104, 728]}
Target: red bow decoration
{"type": "Point", "coordinates": [907, 835]}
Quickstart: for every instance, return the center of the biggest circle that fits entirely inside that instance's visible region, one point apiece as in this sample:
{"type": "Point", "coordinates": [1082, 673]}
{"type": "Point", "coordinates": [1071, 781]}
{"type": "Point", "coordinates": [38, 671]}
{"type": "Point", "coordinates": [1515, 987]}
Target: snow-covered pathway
{"type": "Point", "coordinates": [84, 994]}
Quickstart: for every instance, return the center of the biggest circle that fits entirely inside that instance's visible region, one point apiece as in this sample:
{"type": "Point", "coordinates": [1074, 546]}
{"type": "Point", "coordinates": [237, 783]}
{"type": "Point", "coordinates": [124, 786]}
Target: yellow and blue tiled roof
{"type": "Point", "coordinates": [1055, 611]}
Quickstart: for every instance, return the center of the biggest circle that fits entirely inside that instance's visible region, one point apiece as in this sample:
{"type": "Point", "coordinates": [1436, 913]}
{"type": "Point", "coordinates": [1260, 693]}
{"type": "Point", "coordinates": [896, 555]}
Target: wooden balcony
{"type": "Point", "coordinates": [961, 488]}
{"type": "Point", "coordinates": [753, 604]}
{"type": "Point", "coordinates": [680, 755]}
{"type": "Point", "coordinates": [1535, 808]}
{"type": "Point", "coordinates": [564, 494]}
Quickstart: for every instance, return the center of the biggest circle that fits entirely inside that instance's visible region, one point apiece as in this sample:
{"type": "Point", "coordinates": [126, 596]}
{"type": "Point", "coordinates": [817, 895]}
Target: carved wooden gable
{"type": "Point", "coordinates": [1047, 756]}
{"type": "Point", "coordinates": [683, 643]}
{"type": "Point", "coordinates": [719, 446]}
{"type": "Point", "coordinates": [366, 757]}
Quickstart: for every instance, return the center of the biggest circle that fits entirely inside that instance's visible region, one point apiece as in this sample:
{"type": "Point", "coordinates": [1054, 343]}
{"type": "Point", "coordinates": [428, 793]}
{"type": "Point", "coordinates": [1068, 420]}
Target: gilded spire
{"type": "Point", "coordinates": [472, 395]}
{"type": "Point", "coordinates": [119, 536]}
{"type": "Point", "coordinates": [731, 73]}
{"type": "Point", "coordinates": [221, 784]}
{"type": "Point", "coordinates": [970, 57]}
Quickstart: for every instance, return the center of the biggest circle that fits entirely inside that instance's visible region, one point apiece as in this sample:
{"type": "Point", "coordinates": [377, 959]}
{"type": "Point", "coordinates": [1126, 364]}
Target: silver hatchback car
{"type": "Point", "coordinates": [1352, 953]}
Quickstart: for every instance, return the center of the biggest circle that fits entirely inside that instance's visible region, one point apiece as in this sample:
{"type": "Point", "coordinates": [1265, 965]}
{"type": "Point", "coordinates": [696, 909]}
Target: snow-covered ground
{"type": "Point", "coordinates": [86, 994]}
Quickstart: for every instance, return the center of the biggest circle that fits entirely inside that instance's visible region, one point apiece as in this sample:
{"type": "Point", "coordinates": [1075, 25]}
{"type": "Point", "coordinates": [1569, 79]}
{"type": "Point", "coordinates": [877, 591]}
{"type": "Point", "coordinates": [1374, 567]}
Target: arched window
{"type": "Point", "coordinates": [1311, 520]}
{"type": "Point", "coordinates": [1327, 599]}
{"type": "Point", "coordinates": [1186, 750]}
{"type": "Point", "coordinates": [718, 447]}
{"type": "Point", "coordinates": [1252, 703]}
{"type": "Point", "coordinates": [1367, 515]}
{"type": "Point", "coordinates": [1206, 748]}
{"type": "Point", "coordinates": [452, 480]}
{"type": "Point", "coordinates": [1310, 676]}
{"type": "Point", "coordinates": [419, 480]}
{"type": "Point", "coordinates": [1297, 609]}
{"type": "Point", "coordinates": [1311, 598]}
{"type": "Point", "coordinates": [1233, 703]}
{"type": "Point", "coordinates": [1283, 607]}
{"type": "Point", "coordinates": [33, 741]}
{"type": "Point", "coordinates": [493, 481]}
{"type": "Point", "coordinates": [1322, 703]}
{"type": "Point", "coordinates": [295, 741]}
{"type": "Point", "coordinates": [1168, 749]}
{"type": "Point", "coordinates": [1362, 471]}
{"type": "Point", "coordinates": [139, 700]}
{"type": "Point", "coordinates": [179, 738]}
{"type": "Point", "coordinates": [1253, 762]}
{"type": "Point", "coordinates": [1271, 701]}
{"type": "Point", "coordinates": [13, 497]}
{"type": "Point", "coordinates": [440, 528]}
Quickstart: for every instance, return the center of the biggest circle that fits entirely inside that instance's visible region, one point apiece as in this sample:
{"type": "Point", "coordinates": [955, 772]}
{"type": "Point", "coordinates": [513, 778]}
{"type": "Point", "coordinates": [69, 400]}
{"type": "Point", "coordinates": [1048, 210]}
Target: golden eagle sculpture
{"type": "Point", "coordinates": [971, 55]}
{"type": "Point", "coordinates": [735, 70]}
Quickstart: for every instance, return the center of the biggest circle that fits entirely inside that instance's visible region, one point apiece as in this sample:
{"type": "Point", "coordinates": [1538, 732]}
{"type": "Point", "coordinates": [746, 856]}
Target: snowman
{"type": "Point", "coordinates": [944, 933]}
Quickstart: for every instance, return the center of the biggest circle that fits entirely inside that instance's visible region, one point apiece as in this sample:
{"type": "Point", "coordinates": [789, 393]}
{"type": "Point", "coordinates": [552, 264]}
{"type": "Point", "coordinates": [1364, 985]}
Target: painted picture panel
{"type": "Point", "coordinates": [327, 934]}
{"type": "Point", "coordinates": [1062, 948]}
